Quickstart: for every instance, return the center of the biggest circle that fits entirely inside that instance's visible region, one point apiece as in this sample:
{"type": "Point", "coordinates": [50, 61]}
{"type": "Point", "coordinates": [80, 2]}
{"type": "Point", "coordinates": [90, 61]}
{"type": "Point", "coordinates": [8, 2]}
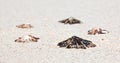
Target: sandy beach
{"type": "Point", "coordinates": [44, 16]}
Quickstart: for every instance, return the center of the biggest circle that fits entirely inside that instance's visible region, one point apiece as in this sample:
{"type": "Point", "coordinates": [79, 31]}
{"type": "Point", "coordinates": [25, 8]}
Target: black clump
{"type": "Point", "coordinates": [76, 42]}
{"type": "Point", "coordinates": [70, 20]}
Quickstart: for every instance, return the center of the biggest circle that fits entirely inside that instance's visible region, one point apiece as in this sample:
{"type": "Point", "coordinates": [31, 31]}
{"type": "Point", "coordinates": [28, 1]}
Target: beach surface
{"type": "Point", "coordinates": [44, 16]}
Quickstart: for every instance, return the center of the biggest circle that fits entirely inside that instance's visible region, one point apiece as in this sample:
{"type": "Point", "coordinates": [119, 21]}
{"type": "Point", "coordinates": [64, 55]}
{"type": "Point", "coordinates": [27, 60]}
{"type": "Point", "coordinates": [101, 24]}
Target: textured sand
{"type": "Point", "coordinates": [44, 16]}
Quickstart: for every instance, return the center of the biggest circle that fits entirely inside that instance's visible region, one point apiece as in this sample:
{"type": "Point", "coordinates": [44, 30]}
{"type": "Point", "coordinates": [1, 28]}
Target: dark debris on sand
{"type": "Point", "coordinates": [70, 20]}
{"type": "Point", "coordinates": [76, 42]}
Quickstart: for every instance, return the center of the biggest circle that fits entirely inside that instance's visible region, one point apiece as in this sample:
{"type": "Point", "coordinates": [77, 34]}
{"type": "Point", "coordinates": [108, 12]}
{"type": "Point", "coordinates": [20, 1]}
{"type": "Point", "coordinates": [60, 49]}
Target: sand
{"type": "Point", "coordinates": [44, 16]}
